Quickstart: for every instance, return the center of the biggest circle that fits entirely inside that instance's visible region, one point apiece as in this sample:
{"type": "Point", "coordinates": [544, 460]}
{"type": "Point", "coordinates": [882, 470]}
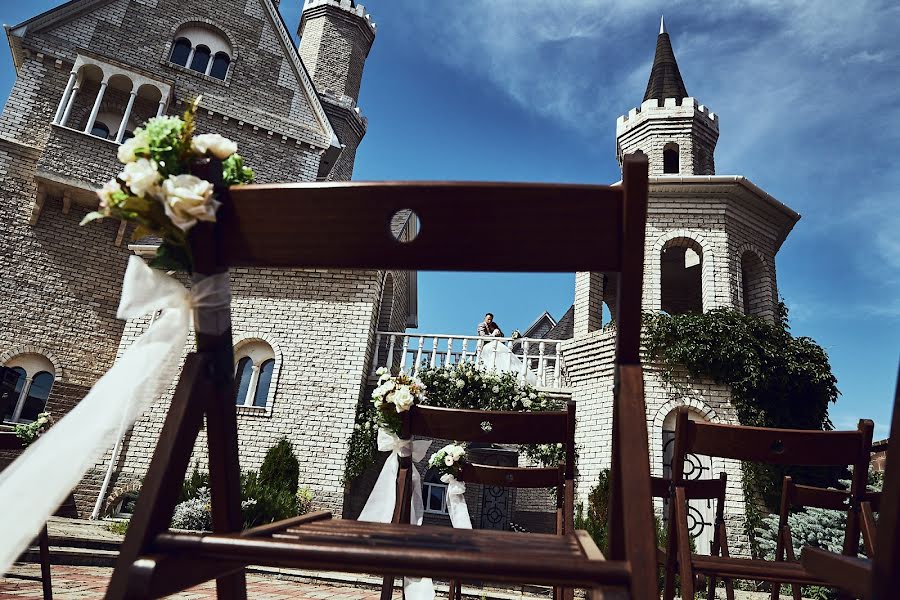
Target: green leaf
{"type": "Point", "coordinates": [170, 257]}
{"type": "Point", "coordinates": [92, 216]}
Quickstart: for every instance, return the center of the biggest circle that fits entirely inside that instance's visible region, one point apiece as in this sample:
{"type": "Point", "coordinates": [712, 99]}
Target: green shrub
{"type": "Point", "coordinates": [304, 501]}
{"type": "Point", "coordinates": [595, 520]}
{"type": "Point", "coordinates": [280, 469]}
{"type": "Point", "coordinates": [262, 503]}
{"type": "Point", "coordinates": [191, 486]}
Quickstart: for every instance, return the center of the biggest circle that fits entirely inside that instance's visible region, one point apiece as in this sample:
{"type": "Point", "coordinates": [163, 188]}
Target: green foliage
{"type": "Point", "coordinates": [304, 501]}
{"type": "Point", "coordinates": [29, 432]}
{"type": "Point", "coordinates": [262, 503]}
{"type": "Point", "coordinates": [234, 172]}
{"type": "Point", "coordinates": [457, 386]}
{"type": "Point", "coordinates": [595, 520]}
{"type": "Point", "coordinates": [167, 143]}
{"type": "Point", "coordinates": [197, 479]}
{"type": "Point", "coordinates": [280, 469]}
{"type": "Point", "coordinates": [118, 527]}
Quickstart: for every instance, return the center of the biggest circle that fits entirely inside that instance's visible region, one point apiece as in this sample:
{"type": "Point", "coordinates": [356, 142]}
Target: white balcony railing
{"type": "Point", "coordinates": [541, 360]}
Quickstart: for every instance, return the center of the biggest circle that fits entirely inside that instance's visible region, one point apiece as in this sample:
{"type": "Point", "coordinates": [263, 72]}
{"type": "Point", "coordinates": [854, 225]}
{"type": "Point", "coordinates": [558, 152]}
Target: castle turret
{"type": "Point", "coordinates": [335, 39]}
{"type": "Point", "coordinates": [677, 134]}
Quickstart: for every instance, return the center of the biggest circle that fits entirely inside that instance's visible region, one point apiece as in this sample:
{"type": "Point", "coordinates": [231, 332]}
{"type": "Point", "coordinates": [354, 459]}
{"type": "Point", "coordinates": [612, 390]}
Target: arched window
{"type": "Point", "coordinates": [681, 280]}
{"type": "Point", "coordinates": [254, 372]}
{"type": "Point", "coordinates": [201, 59]}
{"type": "Point", "coordinates": [100, 130]}
{"type": "Point", "coordinates": [181, 50]}
{"type": "Point", "coordinates": [670, 158]}
{"type": "Point", "coordinates": [243, 374]}
{"type": "Point", "coordinates": [220, 65]}
{"type": "Point", "coordinates": [25, 387]}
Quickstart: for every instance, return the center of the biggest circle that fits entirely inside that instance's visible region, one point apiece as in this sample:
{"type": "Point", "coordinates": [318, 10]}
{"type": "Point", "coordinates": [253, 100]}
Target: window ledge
{"type": "Point", "coordinates": [257, 411]}
{"type": "Point", "coordinates": [93, 137]}
{"type": "Point", "coordinates": [175, 66]}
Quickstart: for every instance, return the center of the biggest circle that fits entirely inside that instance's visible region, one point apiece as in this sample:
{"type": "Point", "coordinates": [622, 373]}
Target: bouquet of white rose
{"type": "Point", "coordinates": [447, 461]}
{"type": "Point", "coordinates": [156, 191]}
{"type": "Point", "coordinates": [394, 395]}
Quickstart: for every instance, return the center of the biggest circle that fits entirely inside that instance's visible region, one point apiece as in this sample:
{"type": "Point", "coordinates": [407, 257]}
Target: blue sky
{"type": "Point", "coordinates": [526, 90]}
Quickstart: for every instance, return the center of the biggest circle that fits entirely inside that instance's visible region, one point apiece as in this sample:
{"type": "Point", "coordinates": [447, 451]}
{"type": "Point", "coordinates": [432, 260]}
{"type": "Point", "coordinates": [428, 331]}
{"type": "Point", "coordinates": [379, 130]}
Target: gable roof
{"type": "Point", "coordinates": [328, 140]}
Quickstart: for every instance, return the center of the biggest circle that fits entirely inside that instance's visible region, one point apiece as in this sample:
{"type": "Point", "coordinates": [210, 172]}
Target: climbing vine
{"type": "Point", "coordinates": [776, 379]}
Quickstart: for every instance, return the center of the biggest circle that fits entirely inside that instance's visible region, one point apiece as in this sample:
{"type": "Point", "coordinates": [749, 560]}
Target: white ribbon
{"type": "Point", "coordinates": [456, 502]}
{"type": "Point", "coordinates": [379, 507]}
{"type": "Point", "coordinates": [38, 481]}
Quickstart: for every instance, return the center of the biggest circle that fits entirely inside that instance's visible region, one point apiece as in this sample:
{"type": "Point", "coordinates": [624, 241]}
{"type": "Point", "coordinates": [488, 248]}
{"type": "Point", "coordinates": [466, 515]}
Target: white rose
{"type": "Point", "coordinates": [457, 452]}
{"type": "Point", "coordinates": [215, 144]}
{"type": "Point", "coordinates": [381, 371]}
{"type": "Point", "coordinates": [126, 150]}
{"type": "Point", "coordinates": [526, 403]}
{"type": "Point", "coordinates": [495, 389]}
{"type": "Point", "coordinates": [105, 193]}
{"type": "Point", "coordinates": [383, 389]}
{"type": "Point", "coordinates": [448, 460]}
{"type": "Point", "coordinates": [403, 399]}
{"type": "Point", "coordinates": [188, 199]}
{"type": "Point", "coordinates": [141, 177]}
{"type": "Point", "coordinates": [460, 383]}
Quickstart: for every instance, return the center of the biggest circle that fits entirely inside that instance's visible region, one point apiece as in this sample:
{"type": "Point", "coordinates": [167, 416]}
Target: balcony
{"type": "Point", "coordinates": [537, 361]}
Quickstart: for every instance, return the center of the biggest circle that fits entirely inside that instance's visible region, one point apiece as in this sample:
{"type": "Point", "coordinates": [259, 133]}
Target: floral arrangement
{"type": "Point", "coordinates": [395, 394]}
{"type": "Point", "coordinates": [29, 432]}
{"type": "Point", "coordinates": [447, 461]}
{"type": "Point", "coordinates": [155, 190]}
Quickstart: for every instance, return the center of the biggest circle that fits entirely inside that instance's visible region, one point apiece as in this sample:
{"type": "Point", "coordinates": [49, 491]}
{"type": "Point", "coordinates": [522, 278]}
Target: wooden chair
{"type": "Point", "coordinates": [10, 441]}
{"type": "Point", "coordinates": [876, 578]}
{"type": "Point", "coordinates": [346, 226]}
{"type": "Point", "coordinates": [549, 427]}
{"type": "Point", "coordinates": [698, 489]}
{"type": "Point", "coordinates": [773, 446]}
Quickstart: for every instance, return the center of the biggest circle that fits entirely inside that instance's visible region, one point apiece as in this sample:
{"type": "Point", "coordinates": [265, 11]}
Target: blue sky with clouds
{"type": "Point", "coordinates": [530, 90]}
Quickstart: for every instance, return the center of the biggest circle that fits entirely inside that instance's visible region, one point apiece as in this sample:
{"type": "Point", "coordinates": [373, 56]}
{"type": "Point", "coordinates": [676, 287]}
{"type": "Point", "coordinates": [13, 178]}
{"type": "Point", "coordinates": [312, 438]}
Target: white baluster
{"type": "Point", "coordinates": [405, 351]}
{"type": "Point", "coordinates": [465, 350]}
{"type": "Point", "coordinates": [94, 111]}
{"type": "Point", "coordinates": [64, 101]}
{"type": "Point", "coordinates": [390, 357]}
{"type": "Point", "coordinates": [557, 366]}
{"type": "Point", "coordinates": [419, 354]}
{"type": "Point", "coordinates": [541, 361]}
{"type": "Point", "coordinates": [449, 358]}
{"type": "Point", "coordinates": [375, 364]}
{"type": "Point", "coordinates": [124, 124]}
{"type": "Point", "coordinates": [434, 353]}
{"type": "Point", "coordinates": [524, 360]}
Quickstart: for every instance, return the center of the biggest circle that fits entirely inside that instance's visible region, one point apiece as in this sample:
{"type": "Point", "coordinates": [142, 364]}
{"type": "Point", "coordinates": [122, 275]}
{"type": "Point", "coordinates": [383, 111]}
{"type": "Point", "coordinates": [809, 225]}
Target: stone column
{"type": "Point", "coordinates": [94, 111]}
{"type": "Point", "coordinates": [588, 302]}
{"type": "Point", "coordinates": [124, 124]}
{"type": "Point", "coordinates": [69, 104]}
{"type": "Point", "coordinates": [63, 102]}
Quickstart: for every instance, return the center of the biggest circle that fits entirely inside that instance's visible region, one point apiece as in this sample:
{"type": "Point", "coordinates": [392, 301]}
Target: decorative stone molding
{"type": "Point", "coordinates": [30, 349]}
{"type": "Point", "coordinates": [673, 239]}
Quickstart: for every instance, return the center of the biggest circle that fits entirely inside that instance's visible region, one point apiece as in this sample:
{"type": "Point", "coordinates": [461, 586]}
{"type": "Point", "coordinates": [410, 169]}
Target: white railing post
{"type": "Point", "coordinates": [465, 350]}
{"type": "Point", "coordinates": [375, 359]}
{"type": "Point", "coordinates": [64, 101]}
{"type": "Point", "coordinates": [390, 356]}
{"type": "Point", "coordinates": [524, 361]}
{"type": "Point", "coordinates": [419, 353]}
{"type": "Point", "coordinates": [434, 351]}
{"type": "Point", "coordinates": [557, 366]}
{"type": "Point", "coordinates": [405, 351]}
{"type": "Point", "coordinates": [449, 358]}
{"type": "Point", "coordinates": [124, 124]}
{"type": "Point", "coordinates": [96, 110]}
{"type": "Point", "coordinates": [541, 360]}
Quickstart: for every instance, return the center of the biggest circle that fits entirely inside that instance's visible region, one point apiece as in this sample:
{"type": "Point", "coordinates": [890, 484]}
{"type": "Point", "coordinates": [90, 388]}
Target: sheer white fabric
{"type": "Point", "coordinates": [496, 356]}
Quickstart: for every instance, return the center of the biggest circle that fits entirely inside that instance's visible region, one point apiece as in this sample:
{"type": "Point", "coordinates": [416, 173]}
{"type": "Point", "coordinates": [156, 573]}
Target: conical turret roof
{"type": "Point", "coordinates": [665, 79]}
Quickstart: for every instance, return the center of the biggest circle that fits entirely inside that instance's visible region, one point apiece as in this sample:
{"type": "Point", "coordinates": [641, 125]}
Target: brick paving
{"type": "Point", "coordinates": [88, 583]}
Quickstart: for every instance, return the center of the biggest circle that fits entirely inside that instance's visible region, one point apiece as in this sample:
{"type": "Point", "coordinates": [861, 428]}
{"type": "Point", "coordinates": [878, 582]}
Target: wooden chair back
{"type": "Point", "coordinates": [347, 225]}
{"type": "Point", "coordinates": [886, 562]}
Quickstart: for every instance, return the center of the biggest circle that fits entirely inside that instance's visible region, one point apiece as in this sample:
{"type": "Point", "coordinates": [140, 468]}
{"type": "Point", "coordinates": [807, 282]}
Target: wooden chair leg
{"type": "Point", "coordinates": [723, 550]}
{"type": "Point", "coordinates": [387, 587]}
{"type": "Point", "coordinates": [44, 546]}
{"type": "Point", "coordinates": [789, 552]}
{"type": "Point", "coordinates": [869, 530]}
{"type": "Point", "coordinates": [684, 549]}
{"type": "Point", "coordinates": [162, 484]}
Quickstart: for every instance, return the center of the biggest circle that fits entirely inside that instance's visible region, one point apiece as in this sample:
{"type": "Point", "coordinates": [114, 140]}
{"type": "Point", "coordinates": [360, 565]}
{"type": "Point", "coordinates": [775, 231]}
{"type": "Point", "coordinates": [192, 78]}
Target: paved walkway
{"type": "Point", "coordinates": [89, 583]}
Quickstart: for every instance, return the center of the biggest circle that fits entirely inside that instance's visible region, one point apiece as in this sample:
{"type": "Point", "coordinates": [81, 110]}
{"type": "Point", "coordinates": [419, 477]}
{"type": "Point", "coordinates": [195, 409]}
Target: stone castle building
{"type": "Point", "coordinates": [306, 342]}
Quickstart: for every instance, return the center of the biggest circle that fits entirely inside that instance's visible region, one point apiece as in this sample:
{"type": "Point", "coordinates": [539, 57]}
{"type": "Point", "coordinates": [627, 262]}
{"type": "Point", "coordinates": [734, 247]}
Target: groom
{"type": "Point", "coordinates": [488, 328]}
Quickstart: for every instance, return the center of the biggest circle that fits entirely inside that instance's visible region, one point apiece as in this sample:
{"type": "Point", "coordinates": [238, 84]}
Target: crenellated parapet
{"type": "Point", "coordinates": [671, 108]}
{"type": "Point", "coordinates": [348, 6]}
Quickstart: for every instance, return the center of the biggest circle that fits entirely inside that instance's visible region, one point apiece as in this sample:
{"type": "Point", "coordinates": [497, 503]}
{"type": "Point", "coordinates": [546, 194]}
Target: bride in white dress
{"type": "Point", "coordinates": [498, 357]}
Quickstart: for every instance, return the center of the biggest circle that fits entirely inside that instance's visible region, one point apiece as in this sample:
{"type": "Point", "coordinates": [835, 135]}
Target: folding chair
{"type": "Point", "coordinates": [876, 578]}
{"type": "Point", "coordinates": [10, 441]}
{"type": "Point", "coordinates": [698, 489]}
{"type": "Point", "coordinates": [346, 226]}
{"type": "Point", "coordinates": [773, 446]}
{"type": "Point", "coordinates": [547, 427]}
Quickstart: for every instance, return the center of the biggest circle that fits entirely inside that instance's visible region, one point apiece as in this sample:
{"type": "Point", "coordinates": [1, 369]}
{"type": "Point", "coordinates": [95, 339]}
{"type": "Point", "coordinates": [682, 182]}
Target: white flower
{"type": "Point", "coordinates": [142, 177]}
{"type": "Point", "coordinates": [457, 451]}
{"type": "Point", "coordinates": [215, 144]}
{"type": "Point", "coordinates": [126, 150]}
{"type": "Point", "coordinates": [532, 396]}
{"type": "Point", "coordinates": [448, 460]}
{"type": "Point", "coordinates": [403, 399]}
{"type": "Point", "coordinates": [460, 383]}
{"type": "Point", "coordinates": [383, 389]}
{"type": "Point", "coordinates": [188, 199]}
{"type": "Point", "coordinates": [495, 389]}
{"type": "Point", "coordinates": [381, 371]}
{"type": "Point", "coordinates": [526, 403]}
{"type": "Point", "coordinates": [105, 193]}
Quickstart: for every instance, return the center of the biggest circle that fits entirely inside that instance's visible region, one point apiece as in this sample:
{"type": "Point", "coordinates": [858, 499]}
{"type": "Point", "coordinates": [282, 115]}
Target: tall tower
{"type": "Point", "coordinates": [335, 39]}
{"type": "Point", "coordinates": [677, 134]}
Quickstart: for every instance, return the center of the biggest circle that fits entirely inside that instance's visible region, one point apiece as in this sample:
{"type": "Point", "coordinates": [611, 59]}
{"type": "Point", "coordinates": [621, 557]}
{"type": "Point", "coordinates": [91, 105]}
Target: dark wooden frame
{"type": "Point", "coordinates": [877, 578]}
{"type": "Point", "coordinates": [697, 489]}
{"type": "Point", "coordinates": [10, 441]}
{"type": "Point", "coordinates": [463, 425]}
{"type": "Point", "coordinates": [766, 445]}
{"type": "Point", "coordinates": [347, 225]}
